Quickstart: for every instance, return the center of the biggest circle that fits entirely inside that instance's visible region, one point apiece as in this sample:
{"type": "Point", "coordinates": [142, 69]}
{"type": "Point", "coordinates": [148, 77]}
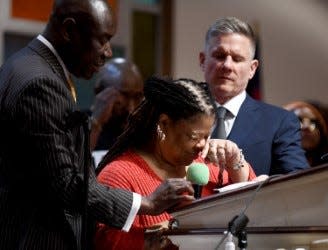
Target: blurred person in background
{"type": "Point", "coordinates": [313, 117]}
{"type": "Point", "coordinates": [118, 90]}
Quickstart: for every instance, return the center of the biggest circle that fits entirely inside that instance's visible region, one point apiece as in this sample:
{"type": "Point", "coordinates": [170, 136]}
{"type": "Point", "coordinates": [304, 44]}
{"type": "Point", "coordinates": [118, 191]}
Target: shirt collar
{"type": "Point", "coordinates": [234, 104]}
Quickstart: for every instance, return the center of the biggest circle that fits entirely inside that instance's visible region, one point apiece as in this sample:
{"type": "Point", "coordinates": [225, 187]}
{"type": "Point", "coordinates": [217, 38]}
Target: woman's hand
{"type": "Point", "coordinates": [226, 154]}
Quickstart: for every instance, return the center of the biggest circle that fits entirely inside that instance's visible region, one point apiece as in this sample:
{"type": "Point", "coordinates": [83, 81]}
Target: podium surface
{"type": "Point", "coordinates": [286, 212]}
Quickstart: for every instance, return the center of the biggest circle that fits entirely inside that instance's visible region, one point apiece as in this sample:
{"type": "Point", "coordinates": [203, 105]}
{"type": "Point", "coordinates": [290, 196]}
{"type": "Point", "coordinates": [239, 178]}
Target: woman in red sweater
{"type": "Point", "coordinates": [166, 133]}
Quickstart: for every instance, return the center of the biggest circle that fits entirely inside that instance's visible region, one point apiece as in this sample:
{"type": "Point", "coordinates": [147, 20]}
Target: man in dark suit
{"type": "Point", "coordinates": [41, 146]}
{"type": "Point", "coordinates": [268, 135]}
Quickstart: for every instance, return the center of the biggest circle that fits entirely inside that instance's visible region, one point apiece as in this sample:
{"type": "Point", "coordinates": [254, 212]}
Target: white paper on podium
{"type": "Point", "coordinates": [234, 186]}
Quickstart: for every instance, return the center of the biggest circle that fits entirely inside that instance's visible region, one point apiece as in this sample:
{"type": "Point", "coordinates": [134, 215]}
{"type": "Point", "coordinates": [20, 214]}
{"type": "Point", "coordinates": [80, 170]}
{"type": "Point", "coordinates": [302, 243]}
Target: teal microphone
{"type": "Point", "coordinates": [198, 174]}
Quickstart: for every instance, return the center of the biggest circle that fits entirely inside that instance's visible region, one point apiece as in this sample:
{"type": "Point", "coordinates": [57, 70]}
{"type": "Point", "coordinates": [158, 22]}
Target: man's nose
{"type": "Point", "coordinates": [227, 63]}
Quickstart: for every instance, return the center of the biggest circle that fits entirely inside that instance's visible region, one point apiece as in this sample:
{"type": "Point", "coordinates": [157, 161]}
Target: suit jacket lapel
{"type": "Point", "coordinates": [48, 56]}
{"type": "Point", "coordinates": [245, 121]}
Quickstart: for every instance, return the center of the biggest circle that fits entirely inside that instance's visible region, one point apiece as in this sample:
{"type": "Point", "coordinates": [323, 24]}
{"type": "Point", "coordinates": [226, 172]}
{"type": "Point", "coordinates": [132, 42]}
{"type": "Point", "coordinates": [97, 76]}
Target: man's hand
{"type": "Point", "coordinates": [170, 193]}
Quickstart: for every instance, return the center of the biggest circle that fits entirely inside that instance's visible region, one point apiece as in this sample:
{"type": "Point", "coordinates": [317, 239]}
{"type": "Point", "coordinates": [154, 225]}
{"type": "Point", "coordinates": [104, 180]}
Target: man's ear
{"type": "Point", "coordinates": [202, 60]}
{"type": "Point", "coordinates": [68, 28]}
{"type": "Point", "coordinates": [254, 65]}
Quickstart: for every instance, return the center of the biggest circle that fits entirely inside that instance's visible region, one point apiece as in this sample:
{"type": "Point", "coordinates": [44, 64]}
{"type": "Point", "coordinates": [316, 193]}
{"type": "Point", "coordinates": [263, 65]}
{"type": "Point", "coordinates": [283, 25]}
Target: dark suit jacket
{"type": "Point", "coordinates": [41, 159]}
{"type": "Point", "coordinates": [269, 137]}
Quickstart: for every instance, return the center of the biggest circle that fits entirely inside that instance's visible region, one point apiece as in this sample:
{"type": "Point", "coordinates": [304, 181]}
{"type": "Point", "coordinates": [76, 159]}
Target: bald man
{"type": "Point", "coordinates": [119, 90]}
{"type": "Point", "coordinates": [42, 149]}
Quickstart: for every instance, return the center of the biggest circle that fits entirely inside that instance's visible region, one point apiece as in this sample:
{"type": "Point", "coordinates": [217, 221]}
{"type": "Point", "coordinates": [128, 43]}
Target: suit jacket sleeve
{"type": "Point", "coordinates": [289, 155]}
{"type": "Point", "coordinates": [42, 108]}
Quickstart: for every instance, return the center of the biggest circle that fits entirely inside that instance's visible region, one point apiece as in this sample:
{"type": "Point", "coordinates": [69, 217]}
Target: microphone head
{"type": "Point", "coordinates": [198, 173]}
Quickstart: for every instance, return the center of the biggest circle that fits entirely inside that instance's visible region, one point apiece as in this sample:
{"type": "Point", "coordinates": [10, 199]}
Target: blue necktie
{"type": "Point", "coordinates": [219, 131]}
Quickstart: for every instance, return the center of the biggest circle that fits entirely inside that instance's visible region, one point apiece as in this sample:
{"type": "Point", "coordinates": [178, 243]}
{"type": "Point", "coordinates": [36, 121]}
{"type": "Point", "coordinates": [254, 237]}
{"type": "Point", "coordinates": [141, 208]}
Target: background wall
{"type": "Point", "coordinates": [22, 20]}
{"type": "Point", "coordinates": [293, 43]}
{"type": "Point", "coordinates": [293, 40]}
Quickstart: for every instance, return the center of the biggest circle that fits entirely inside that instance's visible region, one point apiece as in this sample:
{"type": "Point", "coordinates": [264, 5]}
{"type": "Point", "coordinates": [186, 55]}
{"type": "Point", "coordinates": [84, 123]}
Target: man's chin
{"type": "Point", "coordinates": [222, 89]}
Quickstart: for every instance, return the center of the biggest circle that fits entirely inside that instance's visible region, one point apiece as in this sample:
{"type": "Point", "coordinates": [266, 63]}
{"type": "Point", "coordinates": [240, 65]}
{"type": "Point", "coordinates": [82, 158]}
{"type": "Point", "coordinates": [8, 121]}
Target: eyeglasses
{"type": "Point", "coordinates": [310, 124]}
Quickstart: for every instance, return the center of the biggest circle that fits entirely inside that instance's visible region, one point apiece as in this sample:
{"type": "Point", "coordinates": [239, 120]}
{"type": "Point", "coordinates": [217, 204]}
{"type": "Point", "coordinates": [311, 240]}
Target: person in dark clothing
{"type": "Point", "coordinates": [119, 90]}
{"type": "Point", "coordinates": [42, 181]}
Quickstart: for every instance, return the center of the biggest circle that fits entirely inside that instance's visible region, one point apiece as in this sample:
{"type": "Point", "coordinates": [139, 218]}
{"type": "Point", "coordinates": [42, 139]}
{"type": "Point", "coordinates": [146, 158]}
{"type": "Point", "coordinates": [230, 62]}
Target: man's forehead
{"type": "Point", "coordinates": [103, 16]}
{"type": "Point", "coordinates": [230, 37]}
{"type": "Point", "coordinates": [231, 41]}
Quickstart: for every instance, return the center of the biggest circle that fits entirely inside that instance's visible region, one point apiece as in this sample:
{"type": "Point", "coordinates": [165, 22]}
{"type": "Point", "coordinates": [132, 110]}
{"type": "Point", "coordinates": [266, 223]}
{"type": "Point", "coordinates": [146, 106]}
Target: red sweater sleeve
{"type": "Point", "coordinates": [107, 238]}
{"type": "Point", "coordinates": [129, 172]}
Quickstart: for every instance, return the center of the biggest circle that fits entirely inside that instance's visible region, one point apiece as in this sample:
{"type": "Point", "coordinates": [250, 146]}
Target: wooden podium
{"type": "Point", "coordinates": [287, 212]}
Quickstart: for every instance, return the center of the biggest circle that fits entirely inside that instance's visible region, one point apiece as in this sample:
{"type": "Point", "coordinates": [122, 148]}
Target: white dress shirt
{"type": "Point", "coordinates": [233, 106]}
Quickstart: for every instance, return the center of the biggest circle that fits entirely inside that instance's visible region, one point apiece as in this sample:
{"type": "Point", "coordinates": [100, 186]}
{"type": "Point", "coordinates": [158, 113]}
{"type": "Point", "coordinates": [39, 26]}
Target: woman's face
{"type": "Point", "coordinates": [309, 128]}
{"type": "Point", "coordinates": [185, 139]}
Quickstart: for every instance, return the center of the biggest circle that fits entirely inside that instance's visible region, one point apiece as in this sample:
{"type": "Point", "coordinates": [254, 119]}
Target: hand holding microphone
{"type": "Point", "coordinates": [198, 175]}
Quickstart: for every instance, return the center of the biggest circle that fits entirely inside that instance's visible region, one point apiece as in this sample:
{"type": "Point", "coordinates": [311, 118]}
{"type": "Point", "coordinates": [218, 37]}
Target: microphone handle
{"type": "Point", "coordinates": [198, 190]}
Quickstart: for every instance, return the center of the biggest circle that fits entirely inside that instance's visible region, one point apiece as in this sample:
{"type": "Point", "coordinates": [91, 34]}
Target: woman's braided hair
{"type": "Point", "coordinates": [179, 99]}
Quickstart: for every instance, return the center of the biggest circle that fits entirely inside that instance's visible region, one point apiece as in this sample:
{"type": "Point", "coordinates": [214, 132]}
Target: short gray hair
{"type": "Point", "coordinates": [228, 25]}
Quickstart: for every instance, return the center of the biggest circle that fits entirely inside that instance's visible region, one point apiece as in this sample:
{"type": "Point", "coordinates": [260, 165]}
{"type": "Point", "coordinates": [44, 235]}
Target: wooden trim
{"type": "Point", "coordinates": [250, 230]}
{"type": "Point", "coordinates": [272, 181]}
